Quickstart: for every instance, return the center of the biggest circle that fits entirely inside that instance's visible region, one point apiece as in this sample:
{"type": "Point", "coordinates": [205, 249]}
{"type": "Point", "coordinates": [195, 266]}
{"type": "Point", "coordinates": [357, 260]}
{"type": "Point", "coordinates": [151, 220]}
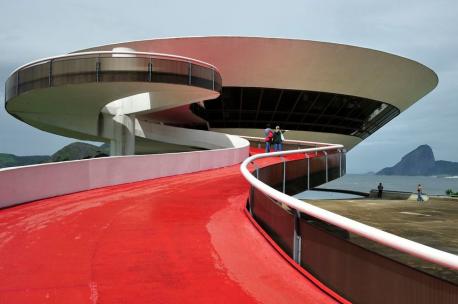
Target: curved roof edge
{"type": "Point", "coordinates": [301, 64]}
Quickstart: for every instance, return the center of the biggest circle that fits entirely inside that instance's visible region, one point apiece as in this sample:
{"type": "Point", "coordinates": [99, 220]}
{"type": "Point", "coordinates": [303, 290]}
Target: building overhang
{"type": "Point", "coordinates": [301, 65]}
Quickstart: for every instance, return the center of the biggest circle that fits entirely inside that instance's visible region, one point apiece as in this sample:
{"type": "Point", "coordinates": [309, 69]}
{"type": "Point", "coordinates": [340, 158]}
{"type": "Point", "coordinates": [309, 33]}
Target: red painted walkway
{"type": "Point", "coordinates": [172, 240]}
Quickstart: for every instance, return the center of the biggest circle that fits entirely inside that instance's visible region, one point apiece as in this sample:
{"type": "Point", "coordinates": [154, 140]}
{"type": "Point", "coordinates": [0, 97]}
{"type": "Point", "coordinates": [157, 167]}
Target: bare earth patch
{"type": "Point", "coordinates": [433, 223]}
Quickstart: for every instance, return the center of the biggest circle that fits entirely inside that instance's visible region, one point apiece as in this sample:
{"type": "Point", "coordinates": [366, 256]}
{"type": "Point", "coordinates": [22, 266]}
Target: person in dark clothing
{"type": "Point", "coordinates": [278, 139]}
{"type": "Point", "coordinates": [380, 190]}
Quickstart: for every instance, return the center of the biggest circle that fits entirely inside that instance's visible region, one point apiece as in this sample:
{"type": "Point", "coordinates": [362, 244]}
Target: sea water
{"type": "Point", "coordinates": [432, 185]}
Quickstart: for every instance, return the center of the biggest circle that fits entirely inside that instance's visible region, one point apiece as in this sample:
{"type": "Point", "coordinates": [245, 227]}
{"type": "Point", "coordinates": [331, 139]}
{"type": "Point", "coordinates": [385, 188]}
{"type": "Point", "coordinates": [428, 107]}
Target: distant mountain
{"type": "Point", "coordinates": [11, 160]}
{"type": "Point", "coordinates": [421, 161]}
{"type": "Point", "coordinates": [79, 150]}
{"type": "Point", "coordinates": [73, 151]}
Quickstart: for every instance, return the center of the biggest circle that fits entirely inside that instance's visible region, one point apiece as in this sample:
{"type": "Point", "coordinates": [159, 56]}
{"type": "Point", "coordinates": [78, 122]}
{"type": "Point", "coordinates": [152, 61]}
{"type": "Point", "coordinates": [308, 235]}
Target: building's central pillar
{"type": "Point", "coordinates": [123, 142]}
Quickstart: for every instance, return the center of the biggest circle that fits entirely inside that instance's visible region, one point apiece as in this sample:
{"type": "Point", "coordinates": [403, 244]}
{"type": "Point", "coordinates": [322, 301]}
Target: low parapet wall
{"type": "Point", "coordinates": [395, 195]}
{"type": "Point", "coordinates": [24, 184]}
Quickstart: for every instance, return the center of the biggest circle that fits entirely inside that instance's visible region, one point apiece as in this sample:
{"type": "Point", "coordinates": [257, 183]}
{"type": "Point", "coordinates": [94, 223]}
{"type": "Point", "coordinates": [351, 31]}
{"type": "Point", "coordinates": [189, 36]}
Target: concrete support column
{"type": "Point", "coordinates": [123, 142]}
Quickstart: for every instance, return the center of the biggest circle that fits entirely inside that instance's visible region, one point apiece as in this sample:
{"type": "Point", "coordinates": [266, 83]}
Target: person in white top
{"type": "Point", "coordinates": [419, 193]}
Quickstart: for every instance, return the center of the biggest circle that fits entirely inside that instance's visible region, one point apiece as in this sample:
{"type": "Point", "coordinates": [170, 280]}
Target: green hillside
{"type": "Point", "coordinates": [73, 151]}
{"type": "Point", "coordinates": [79, 150]}
{"type": "Point", "coordinates": [11, 160]}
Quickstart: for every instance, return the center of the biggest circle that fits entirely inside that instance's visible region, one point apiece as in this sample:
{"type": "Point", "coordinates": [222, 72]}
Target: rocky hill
{"type": "Point", "coordinates": [79, 150]}
{"type": "Point", "coordinates": [73, 151]}
{"type": "Point", "coordinates": [421, 161]}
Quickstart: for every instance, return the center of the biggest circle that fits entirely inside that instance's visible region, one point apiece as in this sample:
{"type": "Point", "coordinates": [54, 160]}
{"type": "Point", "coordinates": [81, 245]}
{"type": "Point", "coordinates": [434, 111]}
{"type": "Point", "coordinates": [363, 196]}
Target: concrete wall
{"type": "Point", "coordinates": [29, 183]}
{"type": "Point", "coordinates": [186, 137]}
{"type": "Point", "coordinates": [392, 195]}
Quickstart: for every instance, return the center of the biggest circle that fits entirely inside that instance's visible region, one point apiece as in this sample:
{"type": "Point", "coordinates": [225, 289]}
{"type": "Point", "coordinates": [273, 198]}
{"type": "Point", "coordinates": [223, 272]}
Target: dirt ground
{"type": "Point", "coordinates": [433, 223]}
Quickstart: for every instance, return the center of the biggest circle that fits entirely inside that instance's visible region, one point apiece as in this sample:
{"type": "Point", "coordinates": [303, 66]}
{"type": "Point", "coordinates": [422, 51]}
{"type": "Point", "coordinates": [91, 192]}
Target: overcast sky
{"type": "Point", "coordinates": [425, 31]}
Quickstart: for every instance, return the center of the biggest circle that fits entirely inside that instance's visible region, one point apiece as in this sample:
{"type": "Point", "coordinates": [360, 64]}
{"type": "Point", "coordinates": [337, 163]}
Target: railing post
{"type": "Point", "coordinates": [97, 69]}
{"type": "Point", "coordinates": [251, 200]}
{"type": "Point", "coordinates": [326, 160]}
{"type": "Point", "coordinates": [284, 173]}
{"type": "Point", "coordinates": [189, 73]}
{"type": "Point", "coordinates": [257, 169]}
{"type": "Point", "coordinates": [213, 79]}
{"type": "Point", "coordinates": [308, 172]}
{"type": "Point", "coordinates": [297, 240]}
{"type": "Point", "coordinates": [344, 168]}
{"type": "Point", "coordinates": [50, 73]}
{"type": "Point", "coordinates": [340, 162]}
{"type": "Point", "coordinates": [150, 70]}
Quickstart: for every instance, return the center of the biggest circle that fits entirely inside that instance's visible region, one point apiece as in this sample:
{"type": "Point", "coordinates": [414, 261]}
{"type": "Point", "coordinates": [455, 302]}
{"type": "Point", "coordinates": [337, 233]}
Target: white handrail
{"type": "Point", "coordinates": [82, 54]}
{"type": "Point", "coordinates": [289, 141]}
{"type": "Point", "coordinates": [401, 244]}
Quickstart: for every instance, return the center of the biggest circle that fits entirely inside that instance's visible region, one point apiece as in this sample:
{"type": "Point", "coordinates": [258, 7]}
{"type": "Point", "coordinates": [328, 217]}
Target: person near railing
{"type": "Point", "coordinates": [269, 137]}
{"type": "Point", "coordinates": [278, 139]}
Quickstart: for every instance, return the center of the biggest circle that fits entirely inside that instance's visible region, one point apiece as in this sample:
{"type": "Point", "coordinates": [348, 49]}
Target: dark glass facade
{"type": "Point", "coordinates": [240, 107]}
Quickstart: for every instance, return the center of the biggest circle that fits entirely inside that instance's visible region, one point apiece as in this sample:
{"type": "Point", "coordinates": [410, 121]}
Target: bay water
{"type": "Point", "coordinates": [432, 185]}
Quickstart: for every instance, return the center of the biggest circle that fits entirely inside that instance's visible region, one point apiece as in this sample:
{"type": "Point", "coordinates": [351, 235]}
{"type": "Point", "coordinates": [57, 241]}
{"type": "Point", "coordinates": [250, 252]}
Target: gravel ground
{"type": "Point", "coordinates": [433, 223]}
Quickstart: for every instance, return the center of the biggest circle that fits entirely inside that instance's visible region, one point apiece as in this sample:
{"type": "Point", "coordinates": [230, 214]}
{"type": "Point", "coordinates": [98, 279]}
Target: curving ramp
{"type": "Point", "coordinates": [184, 238]}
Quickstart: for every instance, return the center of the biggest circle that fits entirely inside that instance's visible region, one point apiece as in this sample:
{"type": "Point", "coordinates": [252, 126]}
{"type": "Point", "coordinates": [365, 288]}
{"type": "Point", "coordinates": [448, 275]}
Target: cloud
{"type": "Point", "coordinates": [422, 30]}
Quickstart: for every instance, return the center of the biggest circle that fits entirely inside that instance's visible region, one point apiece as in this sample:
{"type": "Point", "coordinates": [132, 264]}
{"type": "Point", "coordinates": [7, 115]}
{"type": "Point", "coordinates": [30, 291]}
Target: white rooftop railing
{"type": "Point", "coordinates": [136, 54]}
{"type": "Point", "coordinates": [401, 244]}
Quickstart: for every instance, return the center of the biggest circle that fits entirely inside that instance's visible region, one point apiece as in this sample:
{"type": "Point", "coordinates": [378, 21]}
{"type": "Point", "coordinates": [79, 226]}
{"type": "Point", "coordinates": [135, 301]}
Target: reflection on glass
{"type": "Point", "coordinates": [34, 77]}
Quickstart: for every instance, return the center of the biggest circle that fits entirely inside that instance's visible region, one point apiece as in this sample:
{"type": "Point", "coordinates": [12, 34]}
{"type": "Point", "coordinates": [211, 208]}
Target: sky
{"type": "Point", "coordinates": [422, 30]}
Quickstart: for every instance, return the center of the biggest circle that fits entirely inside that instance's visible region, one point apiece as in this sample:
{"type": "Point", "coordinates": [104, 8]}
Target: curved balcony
{"type": "Point", "coordinates": [106, 66]}
{"type": "Point", "coordinates": [318, 241]}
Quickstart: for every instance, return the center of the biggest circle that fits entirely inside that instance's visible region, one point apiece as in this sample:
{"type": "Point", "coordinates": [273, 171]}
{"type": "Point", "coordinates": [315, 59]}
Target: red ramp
{"type": "Point", "coordinates": [177, 239]}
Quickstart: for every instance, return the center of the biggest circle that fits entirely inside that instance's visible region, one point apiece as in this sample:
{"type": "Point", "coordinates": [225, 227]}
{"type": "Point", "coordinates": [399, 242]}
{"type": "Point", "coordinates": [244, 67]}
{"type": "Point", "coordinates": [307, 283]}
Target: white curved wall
{"type": "Point", "coordinates": [29, 183]}
{"type": "Point", "coordinates": [185, 137]}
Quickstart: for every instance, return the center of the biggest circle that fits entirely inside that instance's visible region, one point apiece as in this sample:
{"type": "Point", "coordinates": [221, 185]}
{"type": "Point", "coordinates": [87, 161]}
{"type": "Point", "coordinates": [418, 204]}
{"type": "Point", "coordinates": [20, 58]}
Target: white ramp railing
{"type": "Point", "coordinates": [401, 244]}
